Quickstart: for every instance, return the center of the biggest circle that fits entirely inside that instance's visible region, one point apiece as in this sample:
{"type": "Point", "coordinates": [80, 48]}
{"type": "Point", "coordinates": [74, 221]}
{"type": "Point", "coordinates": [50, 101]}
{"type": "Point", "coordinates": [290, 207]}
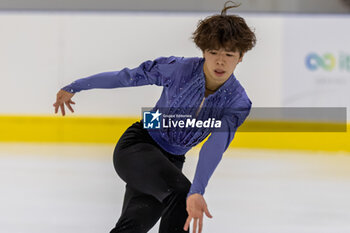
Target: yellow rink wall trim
{"type": "Point", "coordinates": [88, 129]}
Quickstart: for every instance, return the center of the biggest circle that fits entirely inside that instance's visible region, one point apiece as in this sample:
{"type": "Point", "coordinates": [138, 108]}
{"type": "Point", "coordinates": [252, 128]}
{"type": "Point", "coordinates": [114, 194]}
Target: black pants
{"type": "Point", "coordinates": [155, 185]}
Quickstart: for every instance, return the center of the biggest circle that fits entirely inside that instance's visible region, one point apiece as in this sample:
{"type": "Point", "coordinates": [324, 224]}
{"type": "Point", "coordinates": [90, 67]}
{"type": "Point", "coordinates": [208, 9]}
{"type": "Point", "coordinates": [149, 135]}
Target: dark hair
{"type": "Point", "coordinates": [224, 31]}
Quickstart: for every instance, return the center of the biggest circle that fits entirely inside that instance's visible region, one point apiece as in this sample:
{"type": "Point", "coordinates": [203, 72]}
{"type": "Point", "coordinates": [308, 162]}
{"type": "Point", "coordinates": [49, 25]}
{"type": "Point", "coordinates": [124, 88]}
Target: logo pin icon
{"type": "Point", "coordinates": [151, 120]}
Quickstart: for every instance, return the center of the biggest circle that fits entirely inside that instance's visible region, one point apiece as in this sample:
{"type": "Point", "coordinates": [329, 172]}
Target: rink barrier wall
{"type": "Point", "coordinates": [89, 129]}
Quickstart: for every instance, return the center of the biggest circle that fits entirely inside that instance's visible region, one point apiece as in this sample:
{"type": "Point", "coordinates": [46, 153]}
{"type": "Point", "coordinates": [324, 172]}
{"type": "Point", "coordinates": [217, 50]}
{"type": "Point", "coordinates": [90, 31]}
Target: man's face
{"type": "Point", "coordinates": [219, 65]}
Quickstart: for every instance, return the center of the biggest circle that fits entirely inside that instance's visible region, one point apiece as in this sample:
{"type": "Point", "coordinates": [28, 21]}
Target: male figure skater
{"type": "Point", "coordinates": [149, 160]}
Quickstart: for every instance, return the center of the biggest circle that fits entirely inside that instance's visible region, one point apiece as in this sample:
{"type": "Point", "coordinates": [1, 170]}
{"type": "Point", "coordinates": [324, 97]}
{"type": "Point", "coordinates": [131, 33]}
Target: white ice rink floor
{"type": "Point", "coordinates": [74, 189]}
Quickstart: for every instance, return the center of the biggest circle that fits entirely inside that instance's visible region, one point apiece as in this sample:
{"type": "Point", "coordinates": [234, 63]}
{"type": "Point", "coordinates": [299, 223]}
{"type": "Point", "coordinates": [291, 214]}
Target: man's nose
{"type": "Point", "coordinates": [220, 60]}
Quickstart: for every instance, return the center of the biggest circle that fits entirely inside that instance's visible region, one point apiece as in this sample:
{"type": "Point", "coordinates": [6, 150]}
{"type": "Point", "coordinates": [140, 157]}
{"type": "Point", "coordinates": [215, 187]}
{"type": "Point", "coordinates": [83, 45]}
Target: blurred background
{"type": "Point", "coordinates": [56, 172]}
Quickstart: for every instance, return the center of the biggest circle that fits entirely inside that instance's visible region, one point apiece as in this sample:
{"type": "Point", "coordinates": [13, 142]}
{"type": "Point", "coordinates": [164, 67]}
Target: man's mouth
{"type": "Point", "coordinates": [219, 72]}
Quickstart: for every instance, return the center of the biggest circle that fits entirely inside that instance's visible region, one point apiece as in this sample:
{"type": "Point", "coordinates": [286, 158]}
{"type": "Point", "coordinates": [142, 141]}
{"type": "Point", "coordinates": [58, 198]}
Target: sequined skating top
{"type": "Point", "coordinates": [183, 83]}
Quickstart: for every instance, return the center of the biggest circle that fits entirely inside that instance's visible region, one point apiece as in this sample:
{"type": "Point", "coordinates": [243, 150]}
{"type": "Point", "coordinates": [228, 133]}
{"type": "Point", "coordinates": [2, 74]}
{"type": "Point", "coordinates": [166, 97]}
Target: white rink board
{"type": "Point", "coordinates": [41, 52]}
{"type": "Point", "coordinates": [317, 68]}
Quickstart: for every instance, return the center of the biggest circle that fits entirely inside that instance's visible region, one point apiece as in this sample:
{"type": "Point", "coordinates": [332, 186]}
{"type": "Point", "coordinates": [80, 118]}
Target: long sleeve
{"type": "Point", "coordinates": [212, 150]}
{"type": "Point", "coordinates": [148, 73]}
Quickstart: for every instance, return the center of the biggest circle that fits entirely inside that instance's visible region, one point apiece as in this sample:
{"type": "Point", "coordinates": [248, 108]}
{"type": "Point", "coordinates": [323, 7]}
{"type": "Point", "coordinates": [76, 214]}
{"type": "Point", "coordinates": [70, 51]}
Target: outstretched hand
{"type": "Point", "coordinates": [196, 206]}
{"type": "Point", "coordinates": [63, 98]}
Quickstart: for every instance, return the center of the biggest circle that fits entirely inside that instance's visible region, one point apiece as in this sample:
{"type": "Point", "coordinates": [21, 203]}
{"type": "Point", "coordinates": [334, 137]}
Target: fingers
{"type": "Point", "coordinates": [195, 225]}
{"type": "Point", "coordinates": [68, 106]}
{"type": "Point", "coordinates": [62, 110]}
{"type": "Point", "coordinates": [63, 98]}
{"type": "Point", "coordinates": [197, 222]}
{"type": "Point", "coordinates": [187, 224]}
{"type": "Point", "coordinates": [196, 213]}
{"type": "Point", "coordinates": [206, 211]}
{"type": "Point", "coordinates": [56, 107]}
{"type": "Point", "coordinates": [200, 226]}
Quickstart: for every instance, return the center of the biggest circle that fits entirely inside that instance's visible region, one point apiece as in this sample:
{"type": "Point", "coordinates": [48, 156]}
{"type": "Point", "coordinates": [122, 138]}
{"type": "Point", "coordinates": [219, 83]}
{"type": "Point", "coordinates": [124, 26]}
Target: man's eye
{"type": "Point", "coordinates": [212, 52]}
{"type": "Point", "coordinates": [229, 55]}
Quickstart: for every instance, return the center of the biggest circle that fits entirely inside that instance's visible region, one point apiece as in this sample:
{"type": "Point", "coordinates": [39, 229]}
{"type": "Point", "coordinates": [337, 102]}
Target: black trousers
{"type": "Point", "coordinates": [155, 186]}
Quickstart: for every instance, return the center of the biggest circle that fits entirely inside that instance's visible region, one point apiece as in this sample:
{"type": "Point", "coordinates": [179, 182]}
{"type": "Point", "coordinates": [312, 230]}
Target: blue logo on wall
{"type": "Point", "coordinates": [314, 61]}
{"type": "Point", "coordinates": [328, 62]}
{"type": "Point", "coordinates": [151, 120]}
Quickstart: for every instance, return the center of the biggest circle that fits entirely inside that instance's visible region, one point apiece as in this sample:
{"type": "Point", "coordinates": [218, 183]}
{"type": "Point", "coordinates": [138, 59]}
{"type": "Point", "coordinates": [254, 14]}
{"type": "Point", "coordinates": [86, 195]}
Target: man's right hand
{"type": "Point", "coordinates": [63, 98]}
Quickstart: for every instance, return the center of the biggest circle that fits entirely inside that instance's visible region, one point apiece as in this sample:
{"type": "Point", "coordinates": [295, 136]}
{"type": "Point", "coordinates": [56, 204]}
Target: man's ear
{"type": "Point", "coordinates": [241, 58]}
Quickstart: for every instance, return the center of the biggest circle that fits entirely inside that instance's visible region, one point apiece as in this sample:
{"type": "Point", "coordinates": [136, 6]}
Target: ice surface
{"type": "Point", "coordinates": [73, 188]}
